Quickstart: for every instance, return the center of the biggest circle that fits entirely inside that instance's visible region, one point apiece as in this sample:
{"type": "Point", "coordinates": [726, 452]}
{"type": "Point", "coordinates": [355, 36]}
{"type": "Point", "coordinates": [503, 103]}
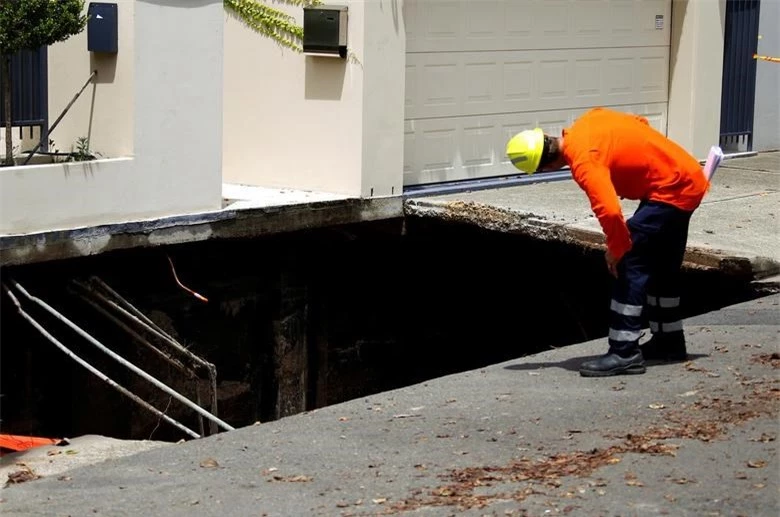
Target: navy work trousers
{"type": "Point", "coordinates": [649, 273]}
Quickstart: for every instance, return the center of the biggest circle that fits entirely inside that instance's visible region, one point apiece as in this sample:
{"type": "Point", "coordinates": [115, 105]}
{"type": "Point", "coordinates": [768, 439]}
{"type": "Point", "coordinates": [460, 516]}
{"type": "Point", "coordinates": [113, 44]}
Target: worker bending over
{"type": "Point", "coordinates": [616, 155]}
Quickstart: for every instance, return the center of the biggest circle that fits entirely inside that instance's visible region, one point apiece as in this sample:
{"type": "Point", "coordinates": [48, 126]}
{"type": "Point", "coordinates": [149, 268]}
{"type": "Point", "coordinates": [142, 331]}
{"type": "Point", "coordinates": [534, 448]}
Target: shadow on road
{"type": "Point", "coordinates": [573, 364]}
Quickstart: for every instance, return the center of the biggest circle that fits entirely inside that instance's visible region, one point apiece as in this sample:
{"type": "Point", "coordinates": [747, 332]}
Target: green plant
{"type": "Point", "coordinates": [28, 25]}
{"type": "Point", "coordinates": [271, 22]}
{"type": "Point", "coordinates": [82, 152]}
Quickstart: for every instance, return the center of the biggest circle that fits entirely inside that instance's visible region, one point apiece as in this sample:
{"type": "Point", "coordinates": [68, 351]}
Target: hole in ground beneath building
{"type": "Point", "coordinates": [300, 321]}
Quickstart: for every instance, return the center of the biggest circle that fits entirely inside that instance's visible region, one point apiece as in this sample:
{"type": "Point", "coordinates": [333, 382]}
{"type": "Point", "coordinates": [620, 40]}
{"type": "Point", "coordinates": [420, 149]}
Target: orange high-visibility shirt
{"type": "Point", "coordinates": [614, 155]}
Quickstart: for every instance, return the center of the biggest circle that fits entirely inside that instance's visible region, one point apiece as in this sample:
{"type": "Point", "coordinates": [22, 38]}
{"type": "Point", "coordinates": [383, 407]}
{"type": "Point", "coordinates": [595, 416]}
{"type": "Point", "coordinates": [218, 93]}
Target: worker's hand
{"type": "Point", "coordinates": [611, 264]}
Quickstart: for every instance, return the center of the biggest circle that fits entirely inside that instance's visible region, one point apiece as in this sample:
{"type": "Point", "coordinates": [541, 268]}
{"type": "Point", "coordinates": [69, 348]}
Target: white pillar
{"type": "Point", "coordinates": [695, 75]}
{"type": "Point", "coordinates": [318, 123]}
{"type": "Point", "coordinates": [178, 102]}
{"type": "Point", "coordinates": [384, 94]}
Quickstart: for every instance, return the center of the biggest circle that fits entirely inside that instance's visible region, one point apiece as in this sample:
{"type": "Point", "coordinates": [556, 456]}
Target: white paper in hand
{"type": "Point", "coordinates": [713, 161]}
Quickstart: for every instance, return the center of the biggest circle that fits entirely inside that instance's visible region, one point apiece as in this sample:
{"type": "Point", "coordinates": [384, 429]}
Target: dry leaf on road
{"type": "Point", "coordinates": [209, 463]}
{"type": "Point", "coordinates": [764, 438]}
{"type": "Point", "coordinates": [22, 475]}
{"type": "Point", "coordinates": [756, 464]}
{"type": "Point", "coordinates": [292, 479]}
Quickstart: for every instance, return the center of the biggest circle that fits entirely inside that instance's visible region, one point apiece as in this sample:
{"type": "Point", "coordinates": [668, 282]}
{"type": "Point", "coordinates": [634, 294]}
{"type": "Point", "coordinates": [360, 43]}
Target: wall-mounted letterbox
{"type": "Point", "coordinates": [325, 31]}
{"type": "Point", "coordinates": [102, 29]}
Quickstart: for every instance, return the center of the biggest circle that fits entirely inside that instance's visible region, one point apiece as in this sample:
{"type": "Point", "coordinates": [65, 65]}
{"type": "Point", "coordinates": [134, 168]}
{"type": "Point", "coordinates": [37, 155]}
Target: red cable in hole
{"type": "Point", "coordinates": [175, 277]}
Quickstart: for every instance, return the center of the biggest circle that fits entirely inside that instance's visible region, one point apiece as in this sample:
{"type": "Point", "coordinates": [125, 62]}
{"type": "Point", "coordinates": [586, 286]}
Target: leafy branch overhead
{"type": "Point", "coordinates": [270, 21]}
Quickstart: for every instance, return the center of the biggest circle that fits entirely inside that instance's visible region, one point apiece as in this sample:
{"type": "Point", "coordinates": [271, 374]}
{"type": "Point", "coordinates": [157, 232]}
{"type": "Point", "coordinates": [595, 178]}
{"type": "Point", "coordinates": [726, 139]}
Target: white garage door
{"type": "Point", "coordinates": [478, 71]}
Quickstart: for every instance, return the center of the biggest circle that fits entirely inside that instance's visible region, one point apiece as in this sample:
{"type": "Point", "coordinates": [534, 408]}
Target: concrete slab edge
{"type": "Point", "coordinates": [526, 223]}
{"type": "Point", "coordinates": [63, 244]}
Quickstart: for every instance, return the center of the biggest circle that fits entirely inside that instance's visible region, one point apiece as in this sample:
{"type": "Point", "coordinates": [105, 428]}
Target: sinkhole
{"type": "Point", "coordinates": [299, 321]}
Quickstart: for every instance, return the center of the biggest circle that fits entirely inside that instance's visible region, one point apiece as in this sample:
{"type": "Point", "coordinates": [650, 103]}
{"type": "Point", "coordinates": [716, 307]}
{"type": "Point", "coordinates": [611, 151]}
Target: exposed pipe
{"type": "Point", "coordinates": [140, 318]}
{"type": "Point", "coordinates": [152, 326]}
{"type": "Point", "coordinates": [135, 335]}
{"type": "Point", "coordinates": [95, 371]}
{"type": "Point", "coordinates": [121, 360]}
{"type": "Point", "coordinates": [139, 338]}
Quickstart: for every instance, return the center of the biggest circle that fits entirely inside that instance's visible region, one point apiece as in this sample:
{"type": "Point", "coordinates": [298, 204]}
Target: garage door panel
{"type": "Point", "coordinates": [410, 148]}
{"type": "Point", "coordinates": [552, 78]}
{"type": "Point", "coordinates": [468, 25]}
{"type": "Point", "coordinates": [474, 83]}
{"type": "Point", "coordinates": [479, 71]}
{"type": "Point", "coordinates": [518, 27]}
{"type": "Point", "coordinates": [477, 144]}
{"type": "Point", "coordinates": [621, 18]}
{"type": "Point", "coordinates": [518, 81]}
{"type": "Point", "coordinates": [481, 84]}
{"type": "Point", "coordinates": [441, 24]}
{"type": "Point", "coordinates": [656, 116]}
{"type": "Point", "coordinates": [440, 85]}
{"type": "Point", "coordinates": [654, 74]}
{"type": "Point", "coordinates": [587, 19]}
{"type": "Point", "coordinates": [619, 78]}
{"type": "Point", "coordinates": [412, 88]}
{"type": "Point", "coordinates": [480, 22]}
{"type": "Point", "coordinates": [553, 20]}
{"type": "Point", "coordinates": [588, 74]}
{"type": "Point", "coordinates": [463, 148]}
{"type": "Point", "coordinates": [437, 141]}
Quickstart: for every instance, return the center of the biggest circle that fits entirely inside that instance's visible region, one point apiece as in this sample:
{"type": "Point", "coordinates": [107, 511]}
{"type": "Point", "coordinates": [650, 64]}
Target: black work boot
{"type": "Point", "coordinates": [665, 348]}
{"type": "Point", "coordinates": [613, 363]}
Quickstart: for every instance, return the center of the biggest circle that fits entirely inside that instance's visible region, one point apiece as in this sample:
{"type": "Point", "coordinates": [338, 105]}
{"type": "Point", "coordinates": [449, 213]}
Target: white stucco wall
{"type": "Point", "coordinates": [69, 195]}
{"type": "Point", "coordinates": [317, 123]}
{"type": "Point", "coordinates": [171, 79]}
{"type": "Point", "coordinates": [178, 108]}
{"type": "Point", "coordinates": [291, 120]}
{"type": "Point", "coordinates": [695, 75]}
{"type": "Point", "coordinates": [104, 111]}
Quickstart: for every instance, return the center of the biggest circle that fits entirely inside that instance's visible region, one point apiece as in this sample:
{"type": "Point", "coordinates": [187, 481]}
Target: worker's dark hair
{"type": "Point", "coordinates": [550, 152]}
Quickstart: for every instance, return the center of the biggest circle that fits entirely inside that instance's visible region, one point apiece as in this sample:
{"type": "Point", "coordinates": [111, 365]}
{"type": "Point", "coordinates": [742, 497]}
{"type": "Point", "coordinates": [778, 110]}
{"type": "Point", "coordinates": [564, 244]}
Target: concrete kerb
{"type": "Point", "coordinates": [504, 220]}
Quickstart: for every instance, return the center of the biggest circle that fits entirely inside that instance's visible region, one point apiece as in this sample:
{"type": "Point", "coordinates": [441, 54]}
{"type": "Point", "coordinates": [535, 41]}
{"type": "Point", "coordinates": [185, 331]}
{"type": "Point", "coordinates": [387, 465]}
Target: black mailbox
{"type": "Point", "coordinates": [325, 31]}
{"type": "Point", "coordinates": [102, 30]}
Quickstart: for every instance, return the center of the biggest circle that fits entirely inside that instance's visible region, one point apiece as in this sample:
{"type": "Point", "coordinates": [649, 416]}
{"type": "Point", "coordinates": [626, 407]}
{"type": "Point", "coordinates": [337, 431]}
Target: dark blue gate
{"type": "Point", "coordinates": [739, 73]}
{"type": "Point", "coordinates": [29, 94]}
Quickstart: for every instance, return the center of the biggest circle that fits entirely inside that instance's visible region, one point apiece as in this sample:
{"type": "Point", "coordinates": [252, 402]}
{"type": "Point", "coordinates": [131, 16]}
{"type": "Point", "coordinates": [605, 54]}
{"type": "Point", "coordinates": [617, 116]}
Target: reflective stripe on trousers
{"type": "Point", "coordinates": [664, 314]}
{"type": "Point", "coordinates": [649, 274]}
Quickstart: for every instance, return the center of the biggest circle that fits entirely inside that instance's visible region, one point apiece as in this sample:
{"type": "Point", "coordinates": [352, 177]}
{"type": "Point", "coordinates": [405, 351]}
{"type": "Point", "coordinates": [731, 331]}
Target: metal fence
{"type": "Point", "coordinates": [739, 73]}
{"type": "Point", "coordinates": [29, 94]}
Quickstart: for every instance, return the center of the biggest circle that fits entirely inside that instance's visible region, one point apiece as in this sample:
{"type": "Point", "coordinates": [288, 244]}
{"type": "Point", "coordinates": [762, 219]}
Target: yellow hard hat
{"type": "Point", "coordinates": [525, 149]}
